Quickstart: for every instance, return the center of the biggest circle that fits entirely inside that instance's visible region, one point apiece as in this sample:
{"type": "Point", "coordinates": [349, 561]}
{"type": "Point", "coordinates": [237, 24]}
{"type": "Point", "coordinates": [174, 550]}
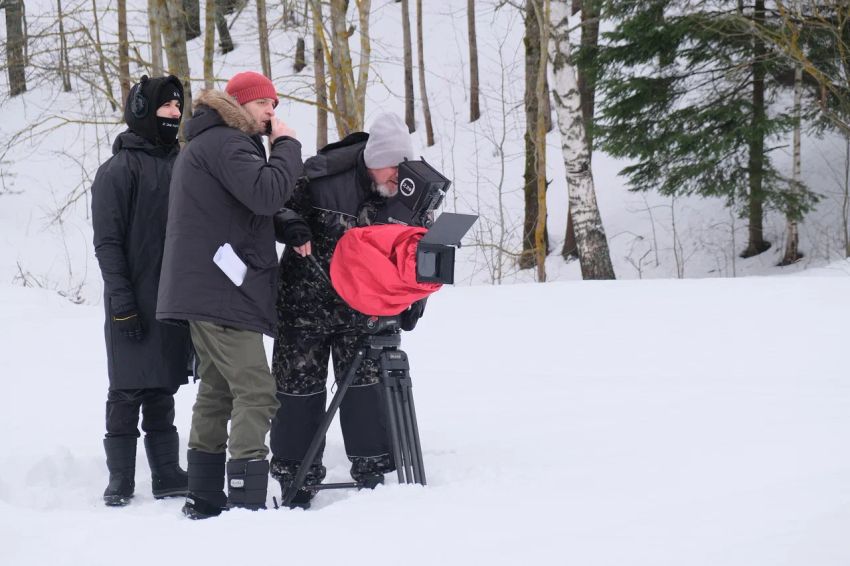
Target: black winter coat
{"type": "Point", "coordinates": [224, 191]}
{"type": "Point", "coordinates": [335, 195]}
{"type": "Point", "coordinates": [129, 212]}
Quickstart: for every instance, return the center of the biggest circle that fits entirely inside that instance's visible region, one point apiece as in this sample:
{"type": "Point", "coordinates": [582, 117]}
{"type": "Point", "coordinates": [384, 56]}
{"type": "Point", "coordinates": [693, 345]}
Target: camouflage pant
{"type": "Point", "coordinates": [300, 366]}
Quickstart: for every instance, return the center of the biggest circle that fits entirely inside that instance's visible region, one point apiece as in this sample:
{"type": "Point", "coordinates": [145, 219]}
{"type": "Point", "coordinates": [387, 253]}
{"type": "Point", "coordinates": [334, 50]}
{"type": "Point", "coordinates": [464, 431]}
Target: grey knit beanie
{"type": "Point", "coordinates": [389, 142]}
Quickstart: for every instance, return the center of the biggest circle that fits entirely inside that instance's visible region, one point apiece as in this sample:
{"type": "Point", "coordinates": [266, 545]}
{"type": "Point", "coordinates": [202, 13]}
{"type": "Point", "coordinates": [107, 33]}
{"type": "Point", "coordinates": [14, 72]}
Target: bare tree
{"type": "Point", "coordinates": [101, 58]}
{"type": "Point", "coordinates": [347, 98]}
{"type": "Point", "coordinates": [534, 47]}
{"type": "Point", "coordinates": [594, 254]}
{"type": "Point", "coordinates": [300, 55]}
{"type": "Point", "coordinates": [225, 41]}
{"type": "Point", "coordinates": [15, 47]}
{"type": "Point", "coordinates": [423, 92]}
{"type": "Point", "coordinates": [262, 26]}
{"type": "Point", "coordinates": [409, 117]}
{"type": "Point", "coordinates": [321, 84]}
{"type": "Point", "coordinates": [474, 107]}
{"type": "Point", "coordinates": [123, 51]}
{"type": "Point", "coordinates": [792, 240]}
{"type": "Point", "coordinates": [64, 63]}
{"type": "Point", "coordinates": [192, 17]}
{"type": "Point", "coordinates": [175, 48]}
{"type": "Point", "coordinates": [209, 43]}
{"type": "Point", "coordinates": [155, 33]}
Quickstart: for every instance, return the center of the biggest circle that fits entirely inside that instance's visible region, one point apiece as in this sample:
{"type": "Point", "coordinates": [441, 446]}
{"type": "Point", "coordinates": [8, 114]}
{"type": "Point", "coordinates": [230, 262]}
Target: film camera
{"type": "Point", "coordinates": [421, 190]}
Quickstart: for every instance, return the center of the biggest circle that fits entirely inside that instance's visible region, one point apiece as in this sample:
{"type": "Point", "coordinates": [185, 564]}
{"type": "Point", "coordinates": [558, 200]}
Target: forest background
{"type": "Point", "coordinates": [717, 130]}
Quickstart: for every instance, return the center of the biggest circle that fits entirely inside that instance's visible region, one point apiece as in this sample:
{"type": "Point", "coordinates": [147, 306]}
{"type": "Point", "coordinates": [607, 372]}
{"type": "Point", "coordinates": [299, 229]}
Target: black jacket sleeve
{"type": "Point", "coordinates": [263, 187]}
{"type": "Point", "coordinates": [113, 192]}
{"type": "Point", "coordinates": [290, 228]}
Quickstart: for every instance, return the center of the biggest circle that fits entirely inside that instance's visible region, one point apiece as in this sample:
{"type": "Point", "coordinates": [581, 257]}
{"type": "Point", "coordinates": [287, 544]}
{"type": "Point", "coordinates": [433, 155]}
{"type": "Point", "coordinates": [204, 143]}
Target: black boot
{"type": "Point", "coordinates": [121, 462]}
{"type": "Point", "coordinates": [168, 479]}
{"type": "Point", "coordinates": [247, 484]}
{"type": "Point", "coordinates": [206, 485]}
{"type": "Point", "coordinates": [284, 471]}
{"type": "Point", "coordinates": [369, 471]}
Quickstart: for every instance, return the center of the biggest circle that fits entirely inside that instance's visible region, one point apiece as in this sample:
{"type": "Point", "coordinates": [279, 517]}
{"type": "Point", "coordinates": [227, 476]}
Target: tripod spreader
{"type": "Point", "coordinates": [401, 415]}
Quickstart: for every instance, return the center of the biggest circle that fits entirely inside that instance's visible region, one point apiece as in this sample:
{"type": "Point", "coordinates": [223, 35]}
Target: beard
{"type": "Point", "coordinates": [384, 190]}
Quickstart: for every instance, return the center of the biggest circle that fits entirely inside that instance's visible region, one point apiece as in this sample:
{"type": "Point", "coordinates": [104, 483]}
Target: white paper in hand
{"type": "Point", "coordinates": [227, 260]}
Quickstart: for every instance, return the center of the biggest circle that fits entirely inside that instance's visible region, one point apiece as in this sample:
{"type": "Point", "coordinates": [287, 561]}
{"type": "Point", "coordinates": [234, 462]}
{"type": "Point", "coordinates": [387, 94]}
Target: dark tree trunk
{"type": "Point", "coordinates": [192, 11]}
{"type": "Point", "coordinates": [15, 44]}
{"type": "Point", "coordinates": [321, 88]}
{"type": "Point", "coordinates": [757, 243]}
{"type": "Point", "coordinates": [263, 29]}
{"type": "Point", "coordinates": [300, 56]}
{"type": "Point", "coordinates": [528, 258]}
{"type": "Point", "coordinates": [474, 107]}
{"type": "Point", "coordinates": [225, 42]}
{"type": "Point", "coordinates": [423, 92]}
{"type": "Point", "coordinates": [409, 116]}
{"type": "Point", "coordinates": [123, 51]}
{"type": "Point", "coordinates": [64, 69]}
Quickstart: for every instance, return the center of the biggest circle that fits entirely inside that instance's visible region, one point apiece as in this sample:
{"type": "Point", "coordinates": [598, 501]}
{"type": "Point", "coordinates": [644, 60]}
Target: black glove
{"type": "Point", "coordinates": [290, 228]}
{"type": "Point", "coordinates": [129, 324]}
{"type": "Point", "coordinates": [411, 316]}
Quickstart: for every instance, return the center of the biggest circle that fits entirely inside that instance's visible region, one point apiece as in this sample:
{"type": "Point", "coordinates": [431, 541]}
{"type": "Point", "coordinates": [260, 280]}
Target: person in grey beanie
{"type": "Point", "coordinates": [344, 186]}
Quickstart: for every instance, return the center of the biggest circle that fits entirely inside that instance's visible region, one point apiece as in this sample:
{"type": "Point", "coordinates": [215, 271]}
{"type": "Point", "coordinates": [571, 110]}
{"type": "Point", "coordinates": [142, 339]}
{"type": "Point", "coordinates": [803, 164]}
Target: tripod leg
{"type": "Point", "coordinates": [393, 421]}
{"type": "Point", "coordinates": [413, 430]}
{"type": "Point", "coordinates": [404, 428]}
{"type": "Point", "coordinates": [290, 492]}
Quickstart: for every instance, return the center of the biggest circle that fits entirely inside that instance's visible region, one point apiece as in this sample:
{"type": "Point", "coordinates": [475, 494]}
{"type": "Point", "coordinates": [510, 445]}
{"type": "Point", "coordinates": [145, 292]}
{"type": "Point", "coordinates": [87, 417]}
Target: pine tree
{"type": "Point", "coordinates": [686, 88]}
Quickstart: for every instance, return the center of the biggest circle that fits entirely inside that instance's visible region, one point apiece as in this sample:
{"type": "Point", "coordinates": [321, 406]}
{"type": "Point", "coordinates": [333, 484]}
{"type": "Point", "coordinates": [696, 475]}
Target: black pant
{"type": "Point", "coordinates": [122, 411]}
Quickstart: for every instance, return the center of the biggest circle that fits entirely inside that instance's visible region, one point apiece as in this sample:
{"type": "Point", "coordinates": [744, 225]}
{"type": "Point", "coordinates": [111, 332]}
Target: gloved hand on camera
{"type": "Point", "coordinates": [411, 316]}
{"type": "Point", "coordinates": [129, 324]}
{"type": "Point", "coordinates": [290, 229]}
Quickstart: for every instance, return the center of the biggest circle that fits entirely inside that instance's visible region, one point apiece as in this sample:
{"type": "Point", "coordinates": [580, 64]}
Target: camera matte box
{"type": "Point", "coordinates": [435, 254]}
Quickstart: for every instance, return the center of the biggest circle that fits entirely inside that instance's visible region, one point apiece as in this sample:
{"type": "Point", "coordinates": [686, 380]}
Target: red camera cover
{"type": "Point", "coordinates": [373, 269]}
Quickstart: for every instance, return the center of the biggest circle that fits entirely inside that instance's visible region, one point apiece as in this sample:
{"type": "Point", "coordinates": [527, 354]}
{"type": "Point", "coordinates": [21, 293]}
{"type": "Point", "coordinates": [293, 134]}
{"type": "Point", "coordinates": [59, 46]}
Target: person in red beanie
{"type": "Point", "coordinates": [219, 274]}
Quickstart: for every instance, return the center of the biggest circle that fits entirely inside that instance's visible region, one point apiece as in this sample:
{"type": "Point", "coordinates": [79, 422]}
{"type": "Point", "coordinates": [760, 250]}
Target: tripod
{"type": "Point", "coordinates": [381, 346]}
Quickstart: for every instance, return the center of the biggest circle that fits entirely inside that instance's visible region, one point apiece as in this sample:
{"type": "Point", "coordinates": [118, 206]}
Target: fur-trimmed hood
{"type": "Point", "coordinates": [226, 110]}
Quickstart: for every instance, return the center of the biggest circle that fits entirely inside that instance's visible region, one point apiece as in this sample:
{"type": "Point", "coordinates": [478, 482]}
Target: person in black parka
{"type": "Point", "coordinates": [147, 360]}
{"type": "Point", "coordinates": [219, 273]}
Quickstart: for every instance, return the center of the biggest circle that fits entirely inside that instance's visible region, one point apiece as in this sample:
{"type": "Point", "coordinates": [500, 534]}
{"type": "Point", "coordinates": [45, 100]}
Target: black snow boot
{"type": "Point", "coordinates": [284, 471]}
{"type": "Point", "coordinates": [247, 484]}
{"type": "Point", "coordinates": [121, 462]}
{"type": "Point", "coordinates": [369, 471]}
{"type": "Point", "coordinates": [167, 478]}
{"type": "Point", "coordinates": [206, 496]}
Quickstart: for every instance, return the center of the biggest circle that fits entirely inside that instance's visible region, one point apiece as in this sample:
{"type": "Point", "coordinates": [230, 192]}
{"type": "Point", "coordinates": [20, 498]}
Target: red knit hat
{"type": "Point", "coordinates": [248, 86]}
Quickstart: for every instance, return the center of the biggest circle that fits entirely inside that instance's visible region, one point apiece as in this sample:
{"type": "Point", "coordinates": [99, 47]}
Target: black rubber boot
{"type": "Point", "coordinates": [284, 471]}
{"type": "Point", "coordinates": [247, 484]}
{"type": "Point", "coordinates": [121, 462]}
{"type": "Point", "coordinates": [167, 478]}
{"type": "Point", "coordinates": [206, 496]}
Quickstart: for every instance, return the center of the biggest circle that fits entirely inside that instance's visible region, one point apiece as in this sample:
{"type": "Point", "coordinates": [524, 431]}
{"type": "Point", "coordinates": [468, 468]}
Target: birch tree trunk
{"type": "Point", "coordinates": [474, 106]}
{"type": "Point", "coordinates": [64, 64]}
{"type": "Point", "coordinates": [123, 51]}
{"type": "Point", "coordinates": [262, 26]}
{"type": "Point", "coordinates": [174, 33]}
{"type": "Point", "coordinates": [209, 44]}
{"type": "Point", "coordinates": [409, 117]}
{"type": "Point", "coordinates": [155, 33]}
{"type": "Point", "coordinates": [594, 256]}
{"type": "Point", "coordinates": [423, 92]}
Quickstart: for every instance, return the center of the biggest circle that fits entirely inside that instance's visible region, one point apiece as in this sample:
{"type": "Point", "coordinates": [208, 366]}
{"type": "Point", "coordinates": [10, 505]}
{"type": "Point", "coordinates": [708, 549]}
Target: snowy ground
{"type": "Point", "coordinates": [639, 423]}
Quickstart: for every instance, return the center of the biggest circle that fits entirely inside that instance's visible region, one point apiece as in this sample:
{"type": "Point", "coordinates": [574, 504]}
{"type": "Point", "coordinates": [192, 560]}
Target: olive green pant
{"type": "Point", "coordinates": [236, 386]}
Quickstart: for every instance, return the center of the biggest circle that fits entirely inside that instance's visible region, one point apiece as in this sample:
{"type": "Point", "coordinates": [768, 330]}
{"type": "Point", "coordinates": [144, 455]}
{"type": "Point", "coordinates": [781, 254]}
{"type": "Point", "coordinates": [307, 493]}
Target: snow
{"type": "Point", "coordinates": [596, 423]}
{"type": "Point", "coordinates": [632, 423]}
